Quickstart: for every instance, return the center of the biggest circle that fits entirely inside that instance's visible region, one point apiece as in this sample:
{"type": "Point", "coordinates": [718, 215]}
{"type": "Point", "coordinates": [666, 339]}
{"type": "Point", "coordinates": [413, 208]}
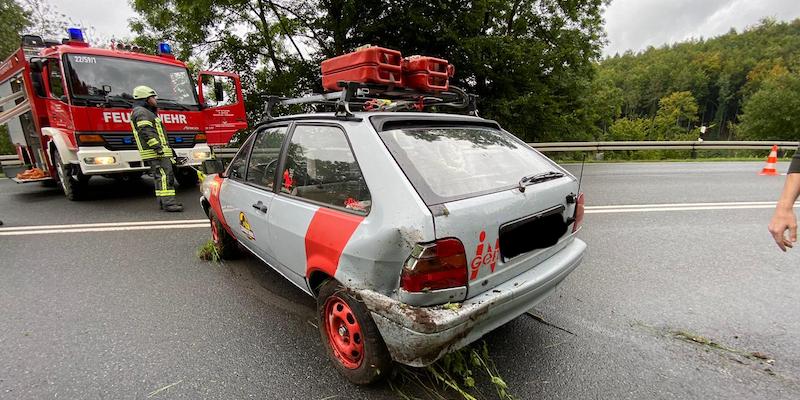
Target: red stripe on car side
{"type": "Point", "coordinates": [213, 200]}
{"type": "Point", "coordinates": [327, 234]}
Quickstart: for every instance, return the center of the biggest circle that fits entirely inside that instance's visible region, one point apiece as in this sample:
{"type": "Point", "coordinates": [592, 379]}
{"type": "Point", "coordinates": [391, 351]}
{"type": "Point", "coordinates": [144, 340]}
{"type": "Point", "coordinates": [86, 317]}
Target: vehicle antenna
{"type": "Point", "coordinates": [580, 178]}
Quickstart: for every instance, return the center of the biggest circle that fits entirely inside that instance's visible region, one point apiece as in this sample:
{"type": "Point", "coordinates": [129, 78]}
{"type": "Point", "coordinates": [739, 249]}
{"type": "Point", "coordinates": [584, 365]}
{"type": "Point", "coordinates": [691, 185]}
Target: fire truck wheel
{"type": "Point", "coordinates": [350, 336]}
{"type": "Point", "coordinates": [226, 245]}
{"type": "Point", "coordinates": [73, 188]}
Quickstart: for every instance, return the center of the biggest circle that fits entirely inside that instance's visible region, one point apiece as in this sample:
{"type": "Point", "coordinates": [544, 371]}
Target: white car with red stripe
{"type": "Point", "coordinates": [387, 217]}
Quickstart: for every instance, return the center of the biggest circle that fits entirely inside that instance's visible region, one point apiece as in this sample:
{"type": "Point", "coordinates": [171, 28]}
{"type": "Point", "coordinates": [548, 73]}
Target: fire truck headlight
{"type": "Point", "coordinates": [200, 155]}
{"type": "Point", "coordinates": [100, 160]}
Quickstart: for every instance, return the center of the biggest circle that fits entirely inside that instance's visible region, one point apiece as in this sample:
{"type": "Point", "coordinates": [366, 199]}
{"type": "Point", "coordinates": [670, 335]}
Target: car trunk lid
{"type": "Point", "coordinates": [508, 232]}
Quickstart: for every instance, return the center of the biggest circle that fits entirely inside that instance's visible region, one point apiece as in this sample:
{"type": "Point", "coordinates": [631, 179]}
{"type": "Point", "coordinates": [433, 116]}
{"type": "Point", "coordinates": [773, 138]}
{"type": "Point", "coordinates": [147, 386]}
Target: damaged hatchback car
{"type": "Point", "coordinates": [416, 232]}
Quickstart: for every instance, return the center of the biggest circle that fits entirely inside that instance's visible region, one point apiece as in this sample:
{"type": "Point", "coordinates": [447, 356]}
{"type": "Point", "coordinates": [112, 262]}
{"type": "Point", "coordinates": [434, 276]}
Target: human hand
{"type": "Point", "coordinates": [783, 220]}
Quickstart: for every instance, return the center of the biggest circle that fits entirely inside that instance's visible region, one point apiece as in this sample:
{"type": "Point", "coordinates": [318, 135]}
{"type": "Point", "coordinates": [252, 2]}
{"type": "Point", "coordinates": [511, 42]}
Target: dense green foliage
{"type": "Point", "coordinates": [13, 20]}
{"type": "Point", "coordinates": [530, 61]}
{"type": "Point", "coordinates": [667, 93]}
{"type": "Point", "coordinates": [534, 63]}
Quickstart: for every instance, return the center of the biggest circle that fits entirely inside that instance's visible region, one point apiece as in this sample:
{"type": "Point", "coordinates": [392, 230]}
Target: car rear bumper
{"type": "Point", "coordinates": [129, 160]}
{"type": "Point", "coordinates": [418, 336]}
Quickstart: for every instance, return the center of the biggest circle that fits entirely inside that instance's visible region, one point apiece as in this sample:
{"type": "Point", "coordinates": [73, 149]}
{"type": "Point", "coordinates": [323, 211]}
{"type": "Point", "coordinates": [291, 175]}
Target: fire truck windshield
{"type": "Point", "coordinates": [91, 76]}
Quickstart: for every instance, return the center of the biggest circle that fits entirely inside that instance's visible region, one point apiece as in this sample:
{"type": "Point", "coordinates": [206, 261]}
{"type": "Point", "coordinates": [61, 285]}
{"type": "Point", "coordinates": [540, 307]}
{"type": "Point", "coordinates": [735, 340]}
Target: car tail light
{"type": "Point", "coordinates": [438, 265]}
{"type": "Point", "coordinates": [200, 138]}
{"type": "Point", "coordinates": [579, 210]}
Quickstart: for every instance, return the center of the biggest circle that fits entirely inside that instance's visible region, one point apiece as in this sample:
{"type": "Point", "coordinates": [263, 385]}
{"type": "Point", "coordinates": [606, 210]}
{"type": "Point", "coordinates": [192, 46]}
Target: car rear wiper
{"type": "Point", "coordinates": [537, 178]}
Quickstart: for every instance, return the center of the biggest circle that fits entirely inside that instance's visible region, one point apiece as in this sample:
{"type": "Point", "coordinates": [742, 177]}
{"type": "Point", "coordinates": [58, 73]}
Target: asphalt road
{"type": "Point", "coordinates": [134, 314]}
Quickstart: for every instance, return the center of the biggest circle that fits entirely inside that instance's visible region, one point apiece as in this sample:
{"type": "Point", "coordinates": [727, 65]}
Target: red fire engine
{"type": "Point", "coordinates": [67, 109]}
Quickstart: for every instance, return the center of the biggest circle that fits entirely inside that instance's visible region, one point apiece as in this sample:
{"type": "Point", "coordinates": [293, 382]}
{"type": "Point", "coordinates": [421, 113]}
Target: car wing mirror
{"type": "Point", "coordinates": [213, 167]}
{"type": "Point", "coordinates": [219, 92]}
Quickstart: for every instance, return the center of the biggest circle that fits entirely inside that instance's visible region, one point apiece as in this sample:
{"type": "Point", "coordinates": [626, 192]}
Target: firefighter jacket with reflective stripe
{"type": "Point", "coordinates": [148, 131]}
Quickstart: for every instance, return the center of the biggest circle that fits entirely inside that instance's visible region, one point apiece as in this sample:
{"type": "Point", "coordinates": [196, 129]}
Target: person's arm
{"type": "Point", "coordinates": [784, 218]}
{"type": "Point", "coordinates": [147, 132]}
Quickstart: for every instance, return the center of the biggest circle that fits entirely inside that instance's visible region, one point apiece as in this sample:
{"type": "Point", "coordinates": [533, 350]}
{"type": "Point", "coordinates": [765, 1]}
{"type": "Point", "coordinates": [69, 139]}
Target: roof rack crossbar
{"type": "Point", "coordinates": [357, 94]}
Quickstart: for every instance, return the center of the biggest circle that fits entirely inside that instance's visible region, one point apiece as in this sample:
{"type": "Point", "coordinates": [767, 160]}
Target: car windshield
{"type": "Point", "coordinates": [446, 164]}
{"type": "Point", "coordinates": [89, 73]}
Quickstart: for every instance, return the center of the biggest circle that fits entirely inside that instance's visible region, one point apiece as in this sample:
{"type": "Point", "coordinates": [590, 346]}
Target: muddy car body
{"type": "Point", "coordinates": [438, 228]}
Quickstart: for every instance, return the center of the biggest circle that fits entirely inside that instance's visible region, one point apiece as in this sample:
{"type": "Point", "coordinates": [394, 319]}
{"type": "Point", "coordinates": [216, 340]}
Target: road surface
{"type": "Point", "coordinates": [97, 305]}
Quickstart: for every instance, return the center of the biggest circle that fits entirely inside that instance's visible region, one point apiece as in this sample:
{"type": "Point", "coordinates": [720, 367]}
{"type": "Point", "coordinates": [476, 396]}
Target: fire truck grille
{"type": "Point", "coordinates": [125, 141]}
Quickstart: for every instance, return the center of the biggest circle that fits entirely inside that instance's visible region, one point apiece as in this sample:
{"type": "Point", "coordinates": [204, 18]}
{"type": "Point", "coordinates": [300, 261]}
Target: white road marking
{"type": "Point", "coordinates": [629, 208]}
{"type": "Point", "coordinates": [743, 203]}
{"type": "Point", "coordinates": [104, 224]}
{"type": "Point", "coordinates": [203, 223]}
{"type": "Point", "coordinates": [104, 229]}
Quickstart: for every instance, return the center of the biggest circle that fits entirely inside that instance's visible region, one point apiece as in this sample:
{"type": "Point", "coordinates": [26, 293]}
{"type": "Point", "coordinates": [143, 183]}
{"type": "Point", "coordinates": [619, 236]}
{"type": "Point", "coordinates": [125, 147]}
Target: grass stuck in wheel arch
{"type": "Point", "coordinates": [209, 252]}
{"type": "Point", "coordinates": [458, 373]}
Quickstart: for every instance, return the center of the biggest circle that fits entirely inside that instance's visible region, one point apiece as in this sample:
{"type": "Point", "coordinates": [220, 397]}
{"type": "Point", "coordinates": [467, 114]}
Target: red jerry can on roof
{"type": "Point", "coordinates": [365, 65]}
{"type": "Point", "coordinates": [427, 74]}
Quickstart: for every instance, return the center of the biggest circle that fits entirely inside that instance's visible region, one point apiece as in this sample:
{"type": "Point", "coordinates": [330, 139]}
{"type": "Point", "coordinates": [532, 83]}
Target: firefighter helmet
{"type": "Point", "coordinates": [143, 92]}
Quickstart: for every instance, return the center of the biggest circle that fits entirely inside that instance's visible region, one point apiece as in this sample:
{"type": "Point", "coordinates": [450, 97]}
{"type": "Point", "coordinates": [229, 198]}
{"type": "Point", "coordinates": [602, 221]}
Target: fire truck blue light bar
{"type": "Point", "coordinates": [75, 34]}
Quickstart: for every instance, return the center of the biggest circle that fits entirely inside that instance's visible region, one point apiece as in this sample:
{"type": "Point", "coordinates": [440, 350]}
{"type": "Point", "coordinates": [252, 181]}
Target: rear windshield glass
{"type": "Point", "coordinates": [447, 164]}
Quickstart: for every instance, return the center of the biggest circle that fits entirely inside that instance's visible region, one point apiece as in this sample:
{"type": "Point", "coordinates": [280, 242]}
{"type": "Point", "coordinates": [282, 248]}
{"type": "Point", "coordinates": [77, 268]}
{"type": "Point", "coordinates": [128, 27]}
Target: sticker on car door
{"type": "Point", "coordinates": [244, 226]}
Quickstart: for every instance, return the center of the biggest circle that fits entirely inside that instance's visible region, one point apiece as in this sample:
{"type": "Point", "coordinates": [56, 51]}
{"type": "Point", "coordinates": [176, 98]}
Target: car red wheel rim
{"type": "Point", "coordinates": [214, 232]}
{"type": "Point", "coordinates": [344, 333]}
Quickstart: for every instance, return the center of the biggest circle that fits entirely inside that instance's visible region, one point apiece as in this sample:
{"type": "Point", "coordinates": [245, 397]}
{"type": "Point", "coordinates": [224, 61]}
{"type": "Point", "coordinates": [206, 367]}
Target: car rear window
{"type": "Point", "coordinates": [447, 164]}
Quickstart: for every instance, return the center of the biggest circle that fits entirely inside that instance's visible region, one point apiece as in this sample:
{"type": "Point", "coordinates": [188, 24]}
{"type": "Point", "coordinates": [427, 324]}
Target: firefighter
{"type": "Point", "coordinates": [151, 140]}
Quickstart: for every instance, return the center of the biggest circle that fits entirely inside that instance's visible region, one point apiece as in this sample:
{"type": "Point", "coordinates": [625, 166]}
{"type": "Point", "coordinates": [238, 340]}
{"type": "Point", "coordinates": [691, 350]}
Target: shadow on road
{"type": "Point", "coordinates": [100, 189]}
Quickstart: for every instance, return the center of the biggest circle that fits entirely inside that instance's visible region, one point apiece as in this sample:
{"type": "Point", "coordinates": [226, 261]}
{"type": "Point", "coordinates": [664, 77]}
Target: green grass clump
{"type": "Point", "coordinates": [209, 252]}
{"type": "Point", "coordinates": [455, 373]}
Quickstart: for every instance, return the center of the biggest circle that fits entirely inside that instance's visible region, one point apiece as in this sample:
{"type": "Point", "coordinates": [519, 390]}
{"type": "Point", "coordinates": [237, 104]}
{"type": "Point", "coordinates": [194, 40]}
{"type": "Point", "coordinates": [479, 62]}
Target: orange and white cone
{"type": "Point", "coordinates": [772, 159]}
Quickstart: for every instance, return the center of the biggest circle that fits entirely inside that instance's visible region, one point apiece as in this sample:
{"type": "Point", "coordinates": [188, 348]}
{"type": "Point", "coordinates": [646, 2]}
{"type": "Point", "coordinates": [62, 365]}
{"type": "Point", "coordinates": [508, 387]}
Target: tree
{"type": "Point", "coordinates": [675, 117]}
{"type": "Point", "coordinates": [13, 21]}
{"type": "Point", "coordinates": [720, 73]}
{"type": "Point", "coordinates": [773, 112]}
{"type": "Point", "coordinates": [48, 21]}
{"type": "Point", "coordinates": [258, 39]}
{"type": "Point", "coordinates": [530, 61]}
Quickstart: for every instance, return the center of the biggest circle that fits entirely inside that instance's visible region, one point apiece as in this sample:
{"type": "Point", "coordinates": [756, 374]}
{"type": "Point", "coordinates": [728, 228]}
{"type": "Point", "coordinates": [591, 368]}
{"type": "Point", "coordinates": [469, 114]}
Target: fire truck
{"type": "Point", "coordinates": [67, 108]}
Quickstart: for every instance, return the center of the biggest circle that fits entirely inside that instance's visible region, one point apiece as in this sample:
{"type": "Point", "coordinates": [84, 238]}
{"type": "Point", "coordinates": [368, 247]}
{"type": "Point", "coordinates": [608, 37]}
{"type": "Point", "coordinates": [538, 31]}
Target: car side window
{"type": "Point", "coordinates": [265, 156]}
{"type": "Point", "coordinates": [237, 169]}
{"type": "Point", "coordinates": [320, 166]}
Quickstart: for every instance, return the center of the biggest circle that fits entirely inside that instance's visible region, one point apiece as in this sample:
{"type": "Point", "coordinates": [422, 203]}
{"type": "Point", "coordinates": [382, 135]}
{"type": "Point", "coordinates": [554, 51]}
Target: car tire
{"type": "Point", "coordinates": [227, 246]}
{"type": "Point", "coordinates": [350, 336]}
{"type": "Point", "coordinates": [74, 189]}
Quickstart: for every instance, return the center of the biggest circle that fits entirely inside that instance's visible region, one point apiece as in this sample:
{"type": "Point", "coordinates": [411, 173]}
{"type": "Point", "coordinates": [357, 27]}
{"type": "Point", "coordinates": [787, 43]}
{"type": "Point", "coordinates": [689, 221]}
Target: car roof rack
{"type": "Point", "coordinates": [375, 97]}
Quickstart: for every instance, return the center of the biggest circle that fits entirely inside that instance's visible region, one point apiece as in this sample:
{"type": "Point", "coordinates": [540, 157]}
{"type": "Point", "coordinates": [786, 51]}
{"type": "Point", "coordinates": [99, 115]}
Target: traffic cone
{"type": "Point", "coordinates": [772, 159]}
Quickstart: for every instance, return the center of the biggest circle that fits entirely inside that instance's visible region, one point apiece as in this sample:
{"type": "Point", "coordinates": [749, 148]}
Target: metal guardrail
{"type": "Point", "coordinates": [662, 145]}
{"type": "Point", "coordinates": [9, 160]}
{"type": "Point", "coordinates": [229, 152]}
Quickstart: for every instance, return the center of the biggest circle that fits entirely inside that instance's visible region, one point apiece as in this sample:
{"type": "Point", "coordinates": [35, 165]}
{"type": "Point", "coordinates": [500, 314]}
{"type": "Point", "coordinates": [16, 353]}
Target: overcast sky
{"type": "Point", "coordinates": [636, 24]}
{"type": "Point", "coordinates": [631, 24]}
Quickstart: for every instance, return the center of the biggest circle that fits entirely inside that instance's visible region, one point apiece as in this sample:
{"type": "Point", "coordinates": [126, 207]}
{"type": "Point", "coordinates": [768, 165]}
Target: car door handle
{"type": "Point", "coordinates": [260, 206]}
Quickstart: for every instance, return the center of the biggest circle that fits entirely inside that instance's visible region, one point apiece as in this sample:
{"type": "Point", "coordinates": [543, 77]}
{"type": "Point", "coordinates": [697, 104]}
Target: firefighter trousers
{"type": "Point", "coordinates": [164, 177]}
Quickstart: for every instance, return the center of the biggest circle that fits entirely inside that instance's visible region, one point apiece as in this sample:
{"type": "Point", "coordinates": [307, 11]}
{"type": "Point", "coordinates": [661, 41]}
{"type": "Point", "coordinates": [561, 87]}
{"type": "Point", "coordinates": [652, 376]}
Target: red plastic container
{"type": "Point", "coordinates": [367, 65]}
{"type": "Point", "coordinates": [427, 74]}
